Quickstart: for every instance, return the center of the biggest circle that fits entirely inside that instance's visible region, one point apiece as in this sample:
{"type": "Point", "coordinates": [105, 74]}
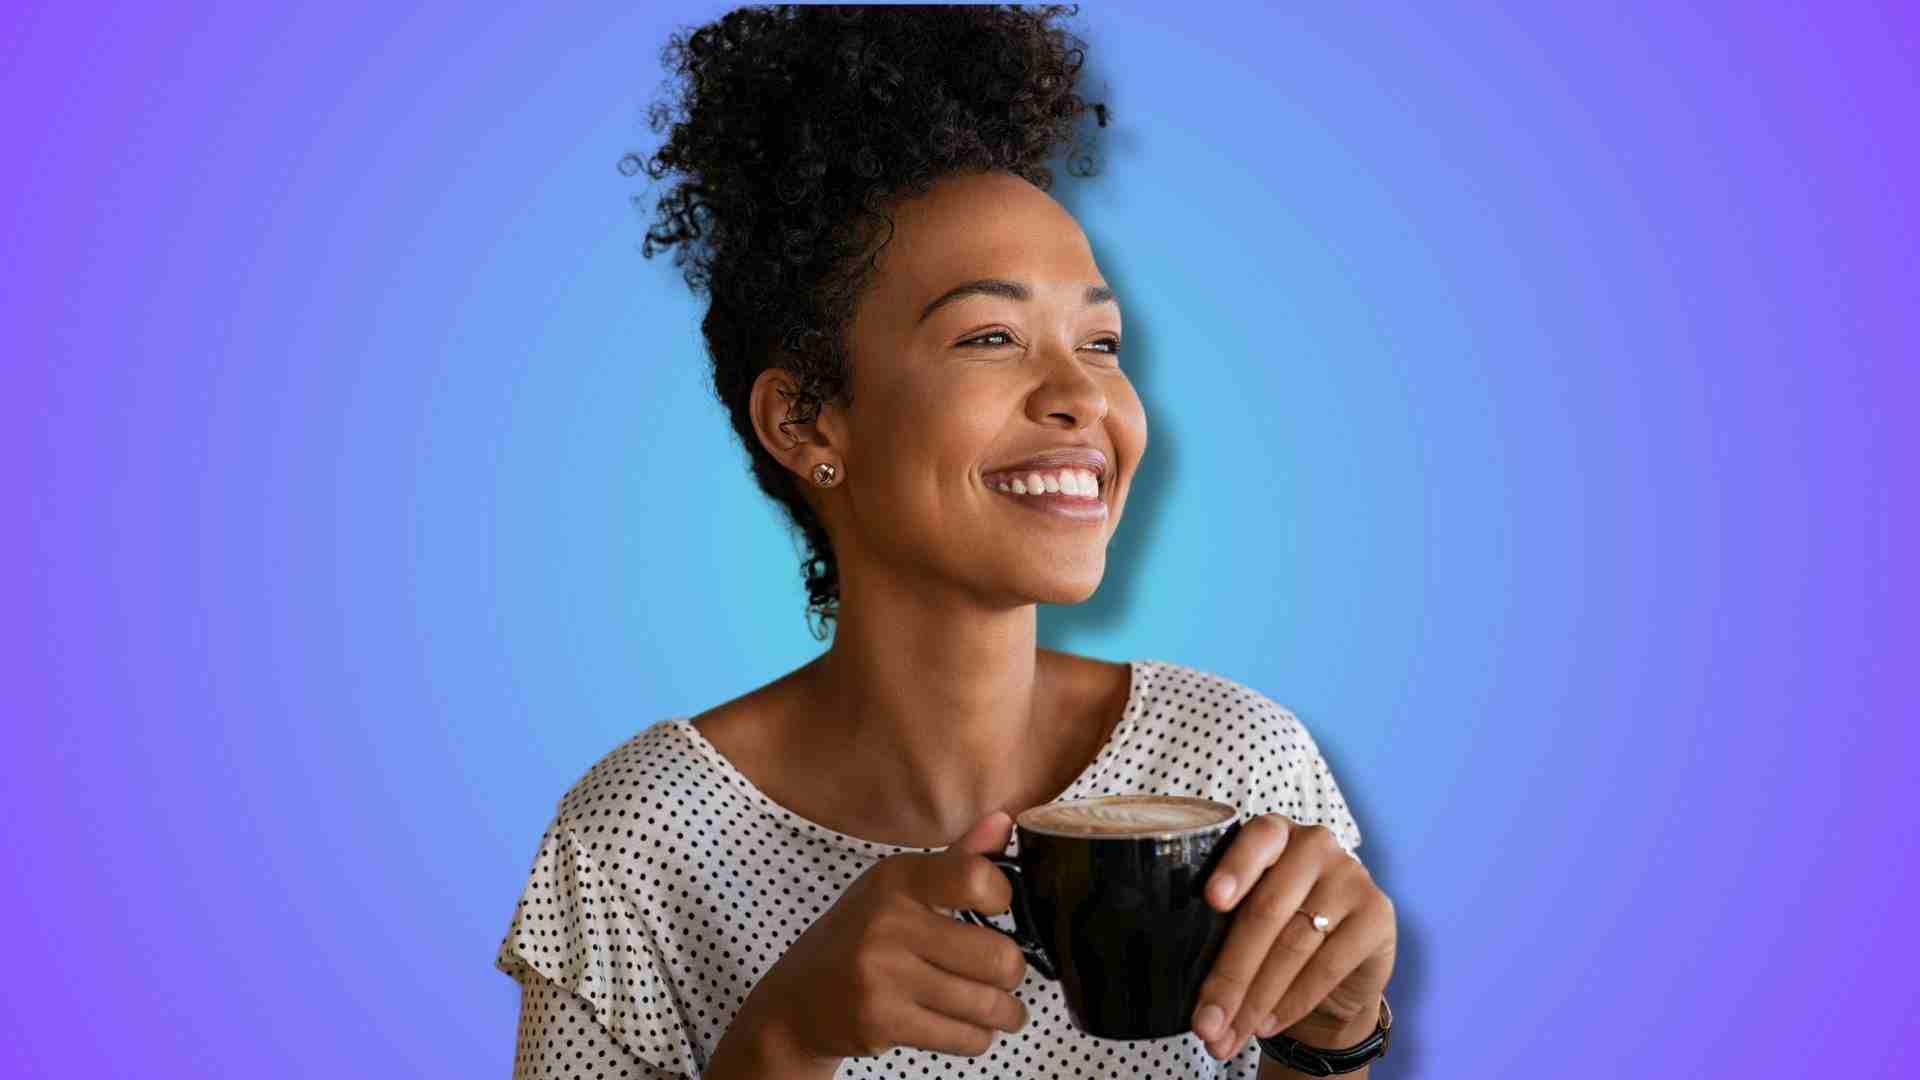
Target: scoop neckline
{"type": "Point", "coordinates": [1117, 737]}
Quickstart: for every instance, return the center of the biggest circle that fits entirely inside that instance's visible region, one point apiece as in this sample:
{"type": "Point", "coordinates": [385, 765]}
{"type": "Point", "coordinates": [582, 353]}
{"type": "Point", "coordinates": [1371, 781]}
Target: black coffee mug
{"type": "Point", "coordinates": [1120, 922]}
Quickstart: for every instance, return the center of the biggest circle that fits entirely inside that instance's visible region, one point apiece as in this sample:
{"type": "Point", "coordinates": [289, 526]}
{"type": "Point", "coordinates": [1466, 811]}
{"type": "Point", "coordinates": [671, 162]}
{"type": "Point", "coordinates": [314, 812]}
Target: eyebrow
{"type": "Point", "coordinates": [1012, 290]}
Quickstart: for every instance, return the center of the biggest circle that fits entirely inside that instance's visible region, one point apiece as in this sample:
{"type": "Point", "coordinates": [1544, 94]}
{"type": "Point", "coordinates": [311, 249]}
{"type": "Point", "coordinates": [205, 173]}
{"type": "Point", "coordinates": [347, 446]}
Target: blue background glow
{"type": "Point", "coordinates": [1525, 388]}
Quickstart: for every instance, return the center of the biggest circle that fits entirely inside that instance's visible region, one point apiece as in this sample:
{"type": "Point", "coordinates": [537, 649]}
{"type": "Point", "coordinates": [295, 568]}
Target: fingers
{"type": "Point", "coordinates": [974, 1003]}
{"type": "Point", "coordinates": [902, 1021]}
{"type": "Point", "coordinates": [929, 1030]}
{"type": "Point", "coordinates": [1259, 856]}
{"type": "Point", "coordinates": [990, 833]}
{"type": "Point", "coordinates": [1355, 938]}
{"type": "Point", "coordinates": [975, 953]}
{"type": "Point", "coordinates": [954, 879]}
{"type": "Point", "coordinates": [1267, 931]}
{"type": "Point", "coordinates": [1257, 846]}
{"type": "Point", "coordinates": [1299, 948]}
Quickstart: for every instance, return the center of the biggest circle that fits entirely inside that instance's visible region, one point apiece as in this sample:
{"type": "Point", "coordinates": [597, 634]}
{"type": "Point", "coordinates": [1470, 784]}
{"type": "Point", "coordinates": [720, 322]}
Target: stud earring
{"type": "Point", "coordinates": [825, 473]}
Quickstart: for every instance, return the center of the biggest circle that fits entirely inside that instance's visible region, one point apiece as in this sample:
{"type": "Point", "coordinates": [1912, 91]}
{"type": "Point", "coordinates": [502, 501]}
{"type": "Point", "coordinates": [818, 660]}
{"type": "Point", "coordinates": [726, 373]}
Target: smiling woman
{"type": "Point", "coordinates": [921, 357]}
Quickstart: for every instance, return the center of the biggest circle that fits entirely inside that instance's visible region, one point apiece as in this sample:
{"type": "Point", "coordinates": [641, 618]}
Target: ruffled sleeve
{"type": "Point", "coordinates": [574, 928]}
{"type": "Point", "coordinates": [559, 1035]}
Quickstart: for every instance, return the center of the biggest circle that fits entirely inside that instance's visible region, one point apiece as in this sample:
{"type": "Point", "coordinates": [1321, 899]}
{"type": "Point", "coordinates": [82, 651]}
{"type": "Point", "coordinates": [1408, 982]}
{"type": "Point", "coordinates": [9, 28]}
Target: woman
{"type": "Point", "coordinates": [922, 359]}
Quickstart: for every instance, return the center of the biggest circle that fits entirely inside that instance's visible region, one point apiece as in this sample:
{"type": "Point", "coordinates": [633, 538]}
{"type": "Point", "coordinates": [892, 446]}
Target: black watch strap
{"type": "Point", "coordinates": [1314, 1061]}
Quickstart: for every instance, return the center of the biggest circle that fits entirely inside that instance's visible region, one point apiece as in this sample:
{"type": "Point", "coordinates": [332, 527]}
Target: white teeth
{"type": "Point", "coordinates": [1080, 482]}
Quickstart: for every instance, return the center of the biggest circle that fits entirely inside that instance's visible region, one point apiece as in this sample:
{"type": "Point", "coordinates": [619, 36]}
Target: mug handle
{"type": "Point", "coordinates": [1023, 933]}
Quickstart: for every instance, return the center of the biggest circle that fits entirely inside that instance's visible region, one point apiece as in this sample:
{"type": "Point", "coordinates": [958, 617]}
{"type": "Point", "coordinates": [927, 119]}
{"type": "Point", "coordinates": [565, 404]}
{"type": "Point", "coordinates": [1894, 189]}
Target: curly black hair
{"type": "Point", "coordinates": [795, 128]}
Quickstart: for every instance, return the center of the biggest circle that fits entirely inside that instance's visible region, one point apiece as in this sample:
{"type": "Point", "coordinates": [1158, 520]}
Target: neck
{"type": "Point", "coordinates": [941, 711]}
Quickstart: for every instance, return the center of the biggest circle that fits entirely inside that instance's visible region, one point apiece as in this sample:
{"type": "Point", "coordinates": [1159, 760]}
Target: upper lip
{"type": "Point", "coordinates": [1065, 457]}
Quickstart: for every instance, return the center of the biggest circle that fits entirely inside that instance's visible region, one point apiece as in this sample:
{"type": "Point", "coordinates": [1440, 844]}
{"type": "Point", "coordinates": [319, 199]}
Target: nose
{"type": "Point", "coordinates": [1068, 393]}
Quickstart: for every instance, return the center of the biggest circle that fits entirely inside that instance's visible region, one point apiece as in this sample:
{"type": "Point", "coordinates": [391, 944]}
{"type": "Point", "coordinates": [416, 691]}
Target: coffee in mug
{"type": "Point", "coordinates": [1107, 901]}
{"type": "Point", "coordinates": [1126, 815]}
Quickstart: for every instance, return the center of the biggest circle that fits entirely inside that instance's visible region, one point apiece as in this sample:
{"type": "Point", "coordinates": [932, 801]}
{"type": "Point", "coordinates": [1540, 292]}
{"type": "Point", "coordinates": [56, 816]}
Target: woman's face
{"type": "Point", "coordinates": [948, 393]}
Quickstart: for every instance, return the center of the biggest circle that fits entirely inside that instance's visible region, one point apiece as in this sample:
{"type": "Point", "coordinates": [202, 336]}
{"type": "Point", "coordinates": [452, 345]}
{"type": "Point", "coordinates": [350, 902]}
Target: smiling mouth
{"type": "Point", "coordinates": [1070, 481]}
{"type": "Point", "coordinates": [1075, 506]}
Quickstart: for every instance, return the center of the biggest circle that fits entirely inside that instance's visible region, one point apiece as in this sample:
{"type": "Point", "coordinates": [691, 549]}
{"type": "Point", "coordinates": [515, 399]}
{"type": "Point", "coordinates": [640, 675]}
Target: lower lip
{"type": "Point", "coordinates": [1067, 507]}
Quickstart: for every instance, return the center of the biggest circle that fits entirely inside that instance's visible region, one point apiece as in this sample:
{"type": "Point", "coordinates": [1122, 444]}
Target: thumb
{"type": "Point", "coordinates": [989, 835]}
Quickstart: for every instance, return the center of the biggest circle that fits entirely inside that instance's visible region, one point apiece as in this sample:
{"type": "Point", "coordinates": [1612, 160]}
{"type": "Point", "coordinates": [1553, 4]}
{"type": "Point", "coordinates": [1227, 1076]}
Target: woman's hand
{"type": "Point", "coordinates": [887, 965]}
{"type": "Point", "coordinates": [1316, 985]}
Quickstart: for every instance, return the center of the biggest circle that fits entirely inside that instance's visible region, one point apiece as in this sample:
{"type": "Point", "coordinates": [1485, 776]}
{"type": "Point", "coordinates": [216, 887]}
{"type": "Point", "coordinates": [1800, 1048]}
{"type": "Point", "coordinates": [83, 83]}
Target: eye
{"type": "Point", "coordinates": [1113, 344]}
{"type": "Point", "coordinates": [989, 334]}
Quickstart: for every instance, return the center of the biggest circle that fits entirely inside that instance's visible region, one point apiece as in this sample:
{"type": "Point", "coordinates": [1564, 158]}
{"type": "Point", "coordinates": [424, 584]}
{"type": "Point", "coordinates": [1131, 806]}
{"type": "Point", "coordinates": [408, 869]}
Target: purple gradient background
{"type": "Point", "coordinates": [364, 489]}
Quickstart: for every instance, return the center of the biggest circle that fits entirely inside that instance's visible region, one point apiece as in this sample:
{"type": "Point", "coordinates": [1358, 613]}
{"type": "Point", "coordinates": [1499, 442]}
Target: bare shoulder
{"type": "Point", "coordinates": [1088, 686]}
{"type": "Point", "coordinates": [740, 726]}
{"type": "Point", "coordinates": [1109, 668]}
{"type": "Point", "coordinates": [728, 717]}
{"type": "Point", "coordinates": [1087, 671]}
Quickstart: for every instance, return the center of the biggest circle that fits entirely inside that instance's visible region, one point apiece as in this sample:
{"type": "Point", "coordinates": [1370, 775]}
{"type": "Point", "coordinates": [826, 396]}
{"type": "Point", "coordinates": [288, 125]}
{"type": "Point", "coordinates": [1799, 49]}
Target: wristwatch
{"type": "Point", "coordinates": [1314, 1061]}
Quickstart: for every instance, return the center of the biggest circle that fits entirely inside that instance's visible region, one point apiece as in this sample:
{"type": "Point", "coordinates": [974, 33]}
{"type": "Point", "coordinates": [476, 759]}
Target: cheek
{"type": "Point", "coordinates": [1127, 422]}
{"type": "Point", "coordinates": [949, 424]}
{"type": "Point", "coordinates": [923, 460]}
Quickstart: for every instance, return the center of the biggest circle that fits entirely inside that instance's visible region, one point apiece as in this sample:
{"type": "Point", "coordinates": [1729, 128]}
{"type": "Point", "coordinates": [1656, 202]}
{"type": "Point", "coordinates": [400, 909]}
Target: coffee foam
{"type": "Point", "coordinates": [1126, 815]}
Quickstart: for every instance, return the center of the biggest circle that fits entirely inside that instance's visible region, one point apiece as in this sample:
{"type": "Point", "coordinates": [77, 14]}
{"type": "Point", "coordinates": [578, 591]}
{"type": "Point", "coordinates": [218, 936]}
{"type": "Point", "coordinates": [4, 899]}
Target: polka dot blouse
{"type": "Point", "coordinates": [667, 884]}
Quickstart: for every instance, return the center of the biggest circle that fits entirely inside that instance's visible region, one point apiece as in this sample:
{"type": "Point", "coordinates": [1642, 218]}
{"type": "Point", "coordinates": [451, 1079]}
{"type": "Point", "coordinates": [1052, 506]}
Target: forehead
{"type": "Point", "coordinates": [978, 226]}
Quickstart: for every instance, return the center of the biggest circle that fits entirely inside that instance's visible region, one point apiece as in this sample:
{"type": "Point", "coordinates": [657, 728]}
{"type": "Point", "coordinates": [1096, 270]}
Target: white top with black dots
{"type": "Point", "coordinates": [667, 884]}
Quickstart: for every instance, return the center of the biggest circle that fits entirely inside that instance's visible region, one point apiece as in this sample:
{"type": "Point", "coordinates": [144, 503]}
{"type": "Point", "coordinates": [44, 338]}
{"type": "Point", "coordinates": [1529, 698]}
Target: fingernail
{"type": "Point", "coordinates": [1223, 887]}
{"type": "Point", "coordinates": [1207, 1022]}
{"type": "Point", "coordinates": [1270, 1026]}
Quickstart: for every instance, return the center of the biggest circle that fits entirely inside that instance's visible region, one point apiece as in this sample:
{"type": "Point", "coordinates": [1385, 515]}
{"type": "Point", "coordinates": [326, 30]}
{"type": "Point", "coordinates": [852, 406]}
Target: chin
{"type": "Point", "coordinates": [1065, 589]}
{"type": "Point", "coordinates": [1078, 596]}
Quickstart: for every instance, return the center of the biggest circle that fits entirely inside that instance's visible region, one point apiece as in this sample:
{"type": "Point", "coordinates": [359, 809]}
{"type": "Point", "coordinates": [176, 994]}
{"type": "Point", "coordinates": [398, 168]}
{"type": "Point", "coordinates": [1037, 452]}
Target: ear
{"type": "Point", "coordinates": [799, 446]}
